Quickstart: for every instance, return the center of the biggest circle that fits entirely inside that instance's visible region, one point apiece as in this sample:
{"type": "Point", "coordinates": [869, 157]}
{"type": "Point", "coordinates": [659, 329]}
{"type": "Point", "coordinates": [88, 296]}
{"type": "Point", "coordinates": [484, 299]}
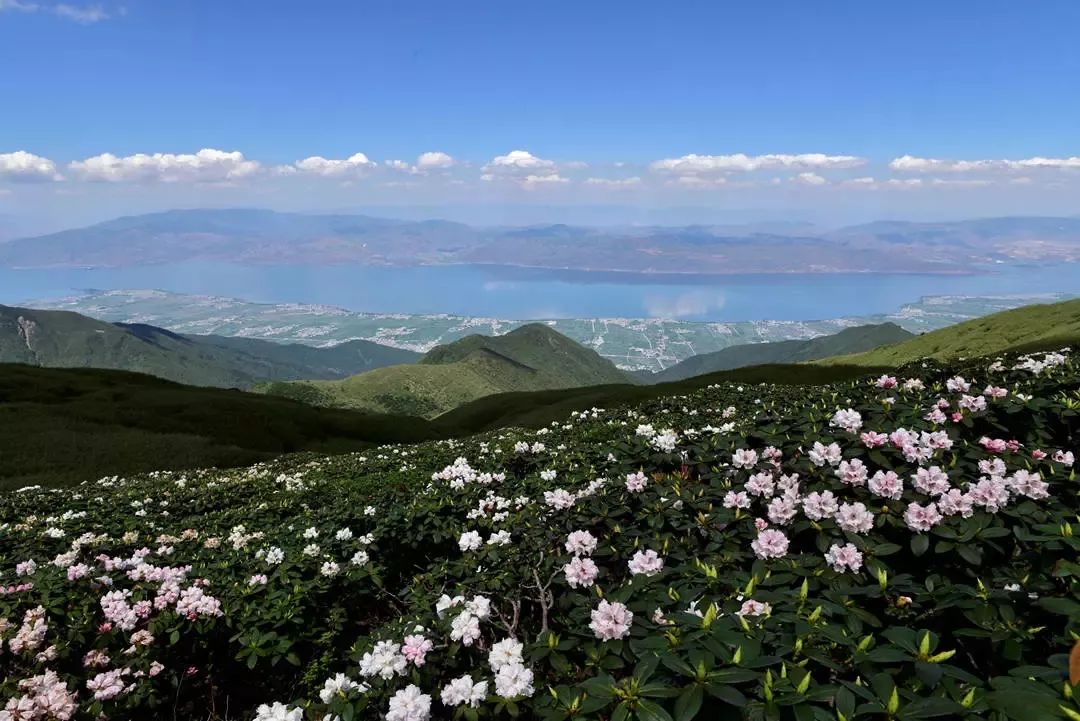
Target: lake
{"type": "Point", "coordinates": [516, 293]}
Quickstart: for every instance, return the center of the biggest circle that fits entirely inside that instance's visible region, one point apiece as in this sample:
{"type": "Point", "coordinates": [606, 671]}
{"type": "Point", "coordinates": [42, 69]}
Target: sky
{"type": "Point", "coordinates": [514, 111]}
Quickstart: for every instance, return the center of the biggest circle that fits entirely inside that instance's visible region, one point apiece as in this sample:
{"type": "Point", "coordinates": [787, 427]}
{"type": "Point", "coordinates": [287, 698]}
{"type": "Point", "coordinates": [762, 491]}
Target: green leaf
{"type": "Point", "coordinates": [688, 703]}
{"type": "Point", "coordinates": [652, 711]}
{"type": "Point", "coordinates": [919, 544]}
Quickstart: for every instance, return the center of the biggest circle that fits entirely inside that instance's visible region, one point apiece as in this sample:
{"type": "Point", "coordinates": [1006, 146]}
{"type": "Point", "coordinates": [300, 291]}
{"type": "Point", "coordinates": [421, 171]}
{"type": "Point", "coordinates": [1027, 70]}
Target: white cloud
{"type": "Point", "coordinates": [698, 165]}
{"type": "Point", "coordinates": [912, 164]}
{"type": "Point", "coordinates": [86, 15]}
{"type": "Point", "coordinates": [695, 181]}
{"type": "Point", "coordinates": [575, 165]}
{"type": "Point", "coordinates": [18, 5]}
{"type": "Point", "coordinates": [520, 163]}
{"type": "Point", "coordinates": [355, 165]}
{"type": "Point", "coordinates": [22, 165]}
{"type": "Point", "coordinates": [960, 183]}
{"type": "Point", "coordinates": [206, 166]}
{"type": "Point", "coordinates": [864, 182]}
{"type": "Point", "coordinates": [614, 182]}
{"type": "Point", "coordinates": [809, 179]}
{"type": "Point", "coordinates": [434, 161]}
{"type": "Point", "coordinates": [540, 181]}
{"type": "Point", "coordinates": [398, 165]}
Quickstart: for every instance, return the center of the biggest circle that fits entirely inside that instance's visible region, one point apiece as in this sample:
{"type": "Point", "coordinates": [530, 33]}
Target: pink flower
{"type": "Point", "coordinates": [580, 572]}
{"type": "Point", "coordinates": [852, 473]}
{"type": "Point", "coordinates": [932, 481]}
{"type": "Point", "coordinates": [854, 518]}
{"type": "Point", "coordinates": [581, 543]}
{"type": "Point", "coordinates": [887, 485]}
{"type": "Point", "coordinates": [770, 544]}
{"type": "Point", "coordinates": [646, 562]}
{"type": "Point", "coordinates": [751, 607]}
{"type": "Point", "coordinates": [990, 493]}
{"type": "Point", "coordinates": [761, 524]}
{"type": "Point", "coordinates": [415, 649]}
{"type": "Point", "coordinates": [761, 484]}
{"type": "Point", "coordinates": [993, 445]}
{"type": "Point", "coordinates": [886, 381]}
{"type": "Point", "coordinates": [954, 502]}
{"type": "Point", "coordinates": [922, 518]}
{"type": "Point", "coordinates": [636, 482]}
{"type": "Point", "coordinates": [106, 685]}
{"type": "Point", "coordinates": [611, 621]}
{"type": "Point", "coordinates": [844, 558]}
{"type": "Point", "coordinates": [782, 510]}
{"type": "Point", "coordinates": [733, 499]}
{"type": "Point", "coordinates": [957, 417]}
{"type": "Point", "coordinates": [818, 506]}
{"type": "Point", "coordinates": [873, 439]}
{"type": "Point", "coordinates": [744, 458]}
{"type": "Point", "coordinates": [1038, 454]}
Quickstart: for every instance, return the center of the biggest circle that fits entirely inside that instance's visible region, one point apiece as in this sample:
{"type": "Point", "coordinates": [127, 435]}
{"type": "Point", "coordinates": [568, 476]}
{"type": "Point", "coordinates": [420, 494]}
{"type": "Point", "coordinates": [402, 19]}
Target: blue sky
{"type": "Point", "coordinates": [591, 92]}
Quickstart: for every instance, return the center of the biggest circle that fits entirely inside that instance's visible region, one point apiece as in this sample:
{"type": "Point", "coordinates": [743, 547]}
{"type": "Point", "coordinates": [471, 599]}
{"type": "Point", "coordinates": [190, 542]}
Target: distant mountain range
{"type": "Point", "coordinates": [530, 358]}
{"type": "Point", "coordinates": [849, 340]}
{"type": "Point", "coordinates": [68, 340]}
{"type": "Point", "coordinates": [262, 236]}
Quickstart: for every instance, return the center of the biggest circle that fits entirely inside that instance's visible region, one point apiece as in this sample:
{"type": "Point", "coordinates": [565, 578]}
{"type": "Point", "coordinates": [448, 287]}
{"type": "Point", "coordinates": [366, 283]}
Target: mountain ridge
{"type": "Point", "coordinates": [64, 339]}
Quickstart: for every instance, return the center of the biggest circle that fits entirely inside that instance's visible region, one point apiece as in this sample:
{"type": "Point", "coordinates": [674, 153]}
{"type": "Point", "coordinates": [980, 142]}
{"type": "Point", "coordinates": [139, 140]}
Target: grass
{"type": "Point", "coordinates": [1030, 328]}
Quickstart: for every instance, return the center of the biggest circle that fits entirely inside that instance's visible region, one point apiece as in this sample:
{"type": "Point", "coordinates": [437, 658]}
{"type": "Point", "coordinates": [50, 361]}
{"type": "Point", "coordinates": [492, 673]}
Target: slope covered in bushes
{"type": "Point", "coordinates": [894, 549]}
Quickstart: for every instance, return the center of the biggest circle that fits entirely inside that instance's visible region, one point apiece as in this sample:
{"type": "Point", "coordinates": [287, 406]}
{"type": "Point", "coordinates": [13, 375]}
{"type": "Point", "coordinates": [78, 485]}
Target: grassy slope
{"type": "Point", "coordinates": [529, 358]}
{"type": "Point", "coordinates": [60, 426]}
{"type": "Point", "coordinates": [63, 426]}
{"type": "Point", "coordinates": [849, 340]}
{"type": "Point", "coordinates": [60, 339]}
{"type": "Point", "coordinates": [1032, 327]}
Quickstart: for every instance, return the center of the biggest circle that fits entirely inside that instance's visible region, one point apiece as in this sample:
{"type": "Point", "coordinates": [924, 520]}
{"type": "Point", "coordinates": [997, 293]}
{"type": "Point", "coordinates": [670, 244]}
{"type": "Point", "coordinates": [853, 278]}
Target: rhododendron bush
{"type": "Point", "coordinates": [890, 548]}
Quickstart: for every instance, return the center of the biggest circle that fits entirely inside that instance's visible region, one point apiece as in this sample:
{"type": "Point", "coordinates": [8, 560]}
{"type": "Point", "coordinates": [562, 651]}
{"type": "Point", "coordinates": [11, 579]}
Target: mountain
{"type": "Point", "coordinates": [1043, 326]}
{"type": "Point", "coordinates": [530, 358]}
{"type": "Point", "coordinates": [63, 339]}
{"type": "Point", "coordinates": [263, 236]}
{"type": "Point", "coordinates": [849, 340]}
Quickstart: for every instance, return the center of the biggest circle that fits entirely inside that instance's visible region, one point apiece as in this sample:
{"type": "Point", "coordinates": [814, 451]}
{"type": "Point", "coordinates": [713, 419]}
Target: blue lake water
{"type": "Point", "coordinates": [493, 291]}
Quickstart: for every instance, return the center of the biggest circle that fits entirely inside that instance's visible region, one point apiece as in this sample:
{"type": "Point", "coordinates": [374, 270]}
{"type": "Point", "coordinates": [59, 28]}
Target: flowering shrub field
{"type": "Point", "coordinates": [891, 548]}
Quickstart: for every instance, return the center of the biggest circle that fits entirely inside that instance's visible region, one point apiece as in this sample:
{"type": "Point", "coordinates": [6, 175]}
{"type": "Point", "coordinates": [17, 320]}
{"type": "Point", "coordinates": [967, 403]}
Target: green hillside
{"type": "Point", "coordinates": [62, 426]}
{"type": "Point", "coordinates": [849, 340]}
{"type": "Point", "coordinates": [530, 358]}
{"type": "Point", "coordinates": [1029, 327]}
{"type": "Point", "coordinates": [60, 339]}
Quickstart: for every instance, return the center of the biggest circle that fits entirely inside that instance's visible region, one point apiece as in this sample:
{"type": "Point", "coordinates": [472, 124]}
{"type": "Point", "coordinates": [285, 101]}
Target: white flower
{"type": "Point", "coordinates": [470, 541]}
{"type": "Point", "coordinates": [646, 562]}
{"type": "Point", "coordinates": [462, 690]}
{"type": "Point", "coordinates": [409, 704]}
{"type": "Point", "coordinates": [580, 543]}
{"type": "Point", "coordinates": [360, 558]}
{"type": "Point", "coordinates": [504, 653]}
{"type": "Point", "coordinates": [513, 681]}
{"type": "Point", "coordinates": [278, 711]}
{"type": "Point", "coordinates": [384, 661]}
{"type": "Point", "coordinates": [345, 534]}
{"type": "Point", "coordinates": [501, 538]}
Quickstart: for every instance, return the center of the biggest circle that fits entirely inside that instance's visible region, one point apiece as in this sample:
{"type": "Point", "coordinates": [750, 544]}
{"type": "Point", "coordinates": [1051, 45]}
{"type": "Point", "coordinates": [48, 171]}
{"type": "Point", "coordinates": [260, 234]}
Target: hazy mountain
{"type": "Point", "coordinates": [262, 236]}
{"type": "Point", "coordinates": [849, 340]}
{"type": "Point", "coordinates": [532, 357]}
{"type": "Point", "coordinates": [61, 339]}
